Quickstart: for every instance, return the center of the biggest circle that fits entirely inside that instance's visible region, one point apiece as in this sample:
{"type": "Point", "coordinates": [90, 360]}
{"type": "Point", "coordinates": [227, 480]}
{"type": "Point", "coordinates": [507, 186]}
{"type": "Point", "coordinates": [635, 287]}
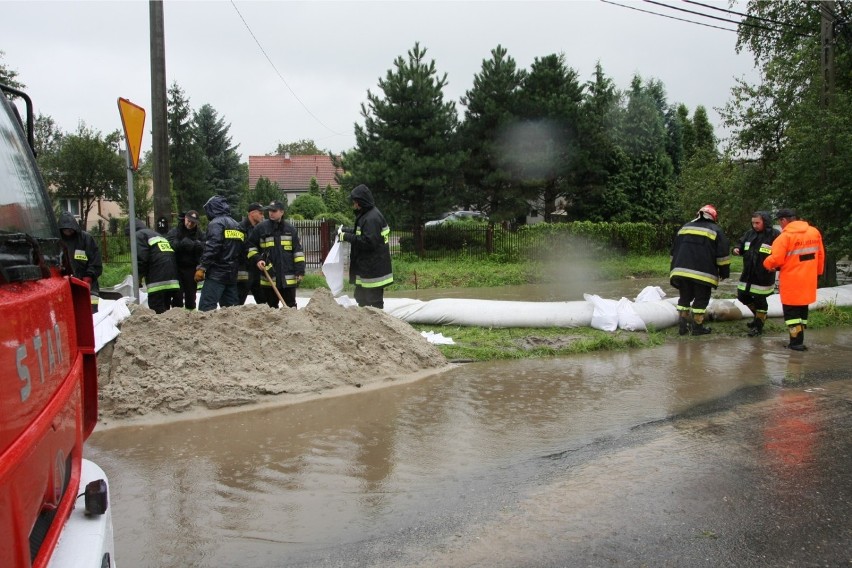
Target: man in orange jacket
{"type": "Point", "coordinates": [799, 255]}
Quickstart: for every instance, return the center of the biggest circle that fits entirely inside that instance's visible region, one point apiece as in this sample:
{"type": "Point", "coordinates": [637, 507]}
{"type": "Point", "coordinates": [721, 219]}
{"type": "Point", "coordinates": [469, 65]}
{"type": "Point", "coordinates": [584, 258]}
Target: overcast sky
{"type": "Point", "coordinates": [77, 58]}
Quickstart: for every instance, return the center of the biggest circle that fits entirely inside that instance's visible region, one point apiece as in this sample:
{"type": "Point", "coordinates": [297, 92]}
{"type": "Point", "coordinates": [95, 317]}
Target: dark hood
{"type": "Point", "coordinates": [362, 195]}
{"type": "Point", "coordinates": [216, 206]}
{"type": "Point", "coordinates": [140, 224]}
{"type": "Point", "coordinates": [767, 220]}
{"type": "Point", "coordinates": [67, 221]}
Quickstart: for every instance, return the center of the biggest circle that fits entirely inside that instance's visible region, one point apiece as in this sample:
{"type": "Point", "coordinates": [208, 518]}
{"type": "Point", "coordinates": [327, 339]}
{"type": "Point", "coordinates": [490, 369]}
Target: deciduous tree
{"type": "Point", "coordinates": [88, 167]}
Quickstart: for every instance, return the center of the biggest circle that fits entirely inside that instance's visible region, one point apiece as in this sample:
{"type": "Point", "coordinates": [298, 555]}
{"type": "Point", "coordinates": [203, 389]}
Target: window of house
{"type": "Point", "coordinates": [72, 205]}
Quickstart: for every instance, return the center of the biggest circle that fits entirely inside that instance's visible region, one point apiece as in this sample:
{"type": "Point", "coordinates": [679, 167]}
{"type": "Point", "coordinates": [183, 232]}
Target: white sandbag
{"type": "Point", "coordinates": [110, 314]}
{"type": "Point", "coordinates": [492, 313]}
{"type": "Point", "coordinates": [651, 294]}
{"type": "Point", "coordinates": [332, 269]}
{"type": "Point", "coordinates": [628, 319]}
{"type": "Point", "coordinates": [605, 313]}
{"type": "Point", "coordinates": [658, 315]}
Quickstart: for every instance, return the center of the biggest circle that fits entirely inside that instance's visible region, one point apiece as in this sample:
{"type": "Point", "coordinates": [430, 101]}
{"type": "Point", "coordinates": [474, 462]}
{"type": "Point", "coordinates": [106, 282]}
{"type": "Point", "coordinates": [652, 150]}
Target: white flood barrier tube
{"type": "Point", "coordinates": [658, 314]}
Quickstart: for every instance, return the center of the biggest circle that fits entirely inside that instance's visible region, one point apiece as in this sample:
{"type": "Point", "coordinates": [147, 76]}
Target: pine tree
{"type": "Point", "coordinates": [549, 149]}
{"type": "Point", "coordinates": [187, 166]}
{"type": "Point", "coordinates": [405, 150]}
{"type": "Point", "coordinates": [225, 176]}
{"type": "Point", "coordinates": [643, 138]}
{"type": "Point", "coordinates": [492, 107]}
{"type": "Point", "coordinates": [597, 196]}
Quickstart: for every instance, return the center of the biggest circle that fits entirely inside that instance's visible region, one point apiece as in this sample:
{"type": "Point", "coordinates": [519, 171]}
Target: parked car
{"type": "Point", "coordinates": [458, 216]}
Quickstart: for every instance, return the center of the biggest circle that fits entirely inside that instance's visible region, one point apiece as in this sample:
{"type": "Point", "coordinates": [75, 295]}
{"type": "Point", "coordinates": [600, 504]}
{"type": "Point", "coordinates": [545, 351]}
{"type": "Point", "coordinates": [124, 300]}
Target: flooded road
{"type": "Point", "coordinates": [690, 454]}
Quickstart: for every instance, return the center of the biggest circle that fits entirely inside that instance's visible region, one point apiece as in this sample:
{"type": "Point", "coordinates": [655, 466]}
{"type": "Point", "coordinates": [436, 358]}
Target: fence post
{"type": "Point", "coordinates": [489, 239]}
{"type": "Point", "coordinates": [418, 240]}
{"type": "Point", "coordinates": [325, 240]}
{"type": "Point", "coordinates": [104, 248]}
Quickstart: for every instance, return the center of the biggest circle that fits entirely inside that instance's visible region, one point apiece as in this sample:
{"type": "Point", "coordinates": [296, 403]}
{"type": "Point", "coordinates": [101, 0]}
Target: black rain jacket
{"type": "Point", "coordinates": [700, 253]}
{"type": "Point", "coordinates": [370, 260]}
{"type": "Point", "coordinates": [278, 244]}
{"type": "Point", "coordinates": [224, 245]}
{"type": "Point", "coordinates": [754, 248]}
{"type": "Point", "coordinates": [83, 251]}
{"type": "Point", "coordinates": [155, 260]}
{"type": "Point", "coordinates": [187, 244]}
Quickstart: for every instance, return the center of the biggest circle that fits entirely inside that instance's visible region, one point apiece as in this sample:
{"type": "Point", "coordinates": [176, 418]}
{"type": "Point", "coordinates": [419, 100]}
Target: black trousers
{"type": "Point", "coordinates": [693, 294]}
{"type": "Point", "coordinates": [794, 315]}
{"type": "Point", "coordinates": [251, 286]}
{"type": "Point", "coordinates": [161, 301]}
{"type": "Point", "coordinates": [757, 300]}
{"type": "Point", "coordinates": [374, 297]}
{"type": "Point", "coordinates": [185, 298]}
{"type": "Point", "coordinates": [289, 295]}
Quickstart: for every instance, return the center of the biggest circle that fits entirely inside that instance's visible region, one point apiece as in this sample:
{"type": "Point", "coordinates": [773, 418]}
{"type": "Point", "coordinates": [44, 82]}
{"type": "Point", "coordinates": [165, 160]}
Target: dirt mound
{"type": "Point", "coordinates": [181, 360]}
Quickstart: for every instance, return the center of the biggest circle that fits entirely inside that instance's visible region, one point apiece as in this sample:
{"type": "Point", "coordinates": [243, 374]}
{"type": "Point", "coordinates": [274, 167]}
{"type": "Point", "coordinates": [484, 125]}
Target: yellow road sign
{"type": "Point", "coordinates": [133, 120]}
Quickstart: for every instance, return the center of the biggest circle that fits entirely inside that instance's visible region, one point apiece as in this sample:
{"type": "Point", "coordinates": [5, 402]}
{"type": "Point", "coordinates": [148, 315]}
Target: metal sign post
{"type": "Point", "coordinates": [133, 121]}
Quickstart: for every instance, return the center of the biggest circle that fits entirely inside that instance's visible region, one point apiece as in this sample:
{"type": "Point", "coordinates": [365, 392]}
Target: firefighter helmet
{"type": "Point", "coordinates": [710, 211]}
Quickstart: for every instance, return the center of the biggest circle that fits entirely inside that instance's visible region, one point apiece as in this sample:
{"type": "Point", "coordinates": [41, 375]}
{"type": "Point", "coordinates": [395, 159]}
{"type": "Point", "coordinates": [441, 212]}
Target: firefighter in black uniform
{"type": "Point", "coordinates": [700, 259]}
{"type": "Point", "coordinates": [248, 278]}
{"type": "Point", "coordinates": [156, 264]}
{"type": "Point", "coordinates": [84, 254]}
{"type": "Point", "coordinates": [756, 283]}
{"type": "Point", "coordinates": [274, 245]}
{"type": "Point", "coordinates": [187, 240]}
{"type": "Point", "coordinates": [370, 262]}
{"type": "Point", "coordinates": [220, 260]}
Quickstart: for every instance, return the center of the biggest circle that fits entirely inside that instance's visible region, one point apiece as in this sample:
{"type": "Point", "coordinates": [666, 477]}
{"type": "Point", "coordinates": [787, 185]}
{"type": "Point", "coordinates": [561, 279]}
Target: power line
{"type": "Point", "coordinates": [740, 23]}
{"type": "Point", "coordinates": [667, 16]}
{"type": "Point", "coordinates": [726, 11]}
{"type": "Point", "coordinates": [746, 24]}
{"type": "Point", "coordinates": [280, 76]}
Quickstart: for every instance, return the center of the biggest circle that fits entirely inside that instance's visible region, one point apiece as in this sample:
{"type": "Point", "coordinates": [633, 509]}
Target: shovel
{"type": "Point", "coordinates": [274, 287]}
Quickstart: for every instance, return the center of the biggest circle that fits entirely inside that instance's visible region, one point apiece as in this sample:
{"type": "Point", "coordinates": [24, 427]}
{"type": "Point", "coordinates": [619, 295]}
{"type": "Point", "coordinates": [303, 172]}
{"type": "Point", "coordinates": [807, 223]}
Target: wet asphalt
{"type": "Point", "coordinates": [703, 452]}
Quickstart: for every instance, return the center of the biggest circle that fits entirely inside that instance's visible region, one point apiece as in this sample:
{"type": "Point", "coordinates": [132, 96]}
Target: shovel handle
{"type": "Point", "coordinates": [274, 287]}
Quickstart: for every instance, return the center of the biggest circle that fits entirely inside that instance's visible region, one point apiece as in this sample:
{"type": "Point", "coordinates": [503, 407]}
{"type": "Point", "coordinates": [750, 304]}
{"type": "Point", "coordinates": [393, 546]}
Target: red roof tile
{"type": "Point", "coordinates": [293, 173]}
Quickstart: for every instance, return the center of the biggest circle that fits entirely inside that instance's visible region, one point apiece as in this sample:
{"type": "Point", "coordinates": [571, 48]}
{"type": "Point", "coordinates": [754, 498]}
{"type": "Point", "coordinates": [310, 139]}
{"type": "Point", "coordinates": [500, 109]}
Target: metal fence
{"type": "Point", "coordinates": [432, 243]}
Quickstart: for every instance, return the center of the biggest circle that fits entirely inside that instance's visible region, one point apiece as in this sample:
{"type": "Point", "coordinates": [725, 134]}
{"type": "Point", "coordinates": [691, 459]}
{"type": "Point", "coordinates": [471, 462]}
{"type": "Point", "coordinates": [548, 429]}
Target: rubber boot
{"type": "Point", "coordinates": [797, 338]}
{"type": "Point", "coordinates": [683, 323]}
{"type": "Point", "coordinates": [698, 325]}
{"type": "Point", "coordinates": [757, 325]}
{"type": "Point", "coordinates": [752, 323]}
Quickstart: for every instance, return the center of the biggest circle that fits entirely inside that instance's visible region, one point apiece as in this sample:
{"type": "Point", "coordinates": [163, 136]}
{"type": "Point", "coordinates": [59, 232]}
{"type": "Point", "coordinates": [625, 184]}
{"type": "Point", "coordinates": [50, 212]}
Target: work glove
{"type": "Point", "coordinates": [344, 232]}
{"type": "Point", "coordinates": [199, 274]}
{"type": "Point", "coordinates": [88, 280]}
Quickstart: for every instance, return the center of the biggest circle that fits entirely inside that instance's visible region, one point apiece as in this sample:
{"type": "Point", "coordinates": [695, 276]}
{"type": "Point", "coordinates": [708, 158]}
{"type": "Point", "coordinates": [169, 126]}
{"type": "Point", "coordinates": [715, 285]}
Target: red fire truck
{"type": "Point", "coordinates": [54, 506]}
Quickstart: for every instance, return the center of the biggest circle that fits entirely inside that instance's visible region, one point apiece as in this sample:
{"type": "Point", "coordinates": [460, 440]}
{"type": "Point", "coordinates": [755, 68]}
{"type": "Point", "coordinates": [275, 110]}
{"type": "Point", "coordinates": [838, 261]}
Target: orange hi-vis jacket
{"type": "Point", "coordinates": [799, 255]}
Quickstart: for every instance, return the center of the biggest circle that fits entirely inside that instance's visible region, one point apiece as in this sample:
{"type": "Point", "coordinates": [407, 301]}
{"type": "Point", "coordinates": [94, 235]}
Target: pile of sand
{"type": "Point", "coordinates": [180, 361]}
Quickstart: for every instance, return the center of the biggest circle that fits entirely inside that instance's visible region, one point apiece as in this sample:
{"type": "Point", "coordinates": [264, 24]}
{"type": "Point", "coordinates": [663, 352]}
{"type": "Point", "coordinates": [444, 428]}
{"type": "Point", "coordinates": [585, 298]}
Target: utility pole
{"type": "Point", "coordinates": [159, 122]}
{"type": "Point", "coordinates": [827, 18]}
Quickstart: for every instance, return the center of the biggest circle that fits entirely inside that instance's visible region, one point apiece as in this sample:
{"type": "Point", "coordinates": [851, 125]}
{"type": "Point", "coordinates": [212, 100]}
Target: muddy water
{"type": "Point", "coordinates": [254, 488]}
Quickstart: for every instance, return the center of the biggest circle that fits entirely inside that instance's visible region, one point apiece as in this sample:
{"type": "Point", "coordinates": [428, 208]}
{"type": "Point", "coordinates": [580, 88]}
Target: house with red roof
{"type": "Point", "coordinates": [293, 173]}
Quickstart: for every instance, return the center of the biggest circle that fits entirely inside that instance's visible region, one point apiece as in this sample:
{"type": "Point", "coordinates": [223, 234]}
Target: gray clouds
{"type": "Point", "coordinates": [77, 58]}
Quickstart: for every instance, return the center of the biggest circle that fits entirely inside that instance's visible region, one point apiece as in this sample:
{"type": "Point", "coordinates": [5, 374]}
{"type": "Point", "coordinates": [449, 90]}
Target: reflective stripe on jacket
{"type": "Point", "coordinates": [278, 244]}
{"type": "Point", "coordinates": [799, 254]}
{"type": "Point", "coordinates": [156, 261]}
{"type": "Point", "coordinates": [755, 247]}
{"type": "Point", "coordinates": [700, 252]}
{"type": "Point", "coordinates": [370, 261]}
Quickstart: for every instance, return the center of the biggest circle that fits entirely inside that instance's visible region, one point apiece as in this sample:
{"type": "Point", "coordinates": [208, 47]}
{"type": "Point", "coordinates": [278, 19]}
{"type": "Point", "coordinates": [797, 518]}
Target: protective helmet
{"type": "Point", "coordinates": [710, 211]}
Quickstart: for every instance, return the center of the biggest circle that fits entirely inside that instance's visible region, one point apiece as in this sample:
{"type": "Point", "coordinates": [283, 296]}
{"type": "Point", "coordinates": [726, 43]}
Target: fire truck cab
{"type": "Point", "coordinates": [54, 505]}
